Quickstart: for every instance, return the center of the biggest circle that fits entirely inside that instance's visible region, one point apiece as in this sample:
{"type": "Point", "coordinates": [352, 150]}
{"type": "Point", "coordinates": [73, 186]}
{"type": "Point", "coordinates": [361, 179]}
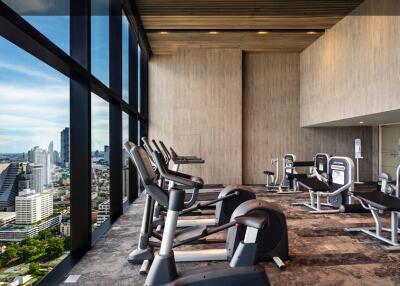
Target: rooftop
{"type": "Point", "coordinates": [3, 166]}
{"type": "Point", "coordinates": [6, 215]}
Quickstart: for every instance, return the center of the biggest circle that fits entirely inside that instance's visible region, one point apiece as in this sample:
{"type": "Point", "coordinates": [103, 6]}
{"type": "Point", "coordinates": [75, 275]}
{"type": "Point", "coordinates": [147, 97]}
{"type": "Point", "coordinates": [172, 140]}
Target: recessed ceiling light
{"type": "Point", "coordinates": [164, 33]}
{"type": "Point", "coordinates": [262, 33]}
{"type": "Point", "coordinates": [311, 33]}
{"type": "Point", "coordinates": [213, 32]}
{"type": "Point", "coordinates": [361, 122]}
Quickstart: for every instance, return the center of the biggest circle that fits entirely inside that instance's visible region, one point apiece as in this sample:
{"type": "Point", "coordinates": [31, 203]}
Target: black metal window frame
{"type": "Point", "coordinates": [77, 67]}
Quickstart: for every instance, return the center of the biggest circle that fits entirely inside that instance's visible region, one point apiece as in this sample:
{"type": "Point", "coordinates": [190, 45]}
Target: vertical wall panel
{"type": "Point", "coordinates": [271, 119]}
{"type": "Point", "coordinates": [195, 103]}
{"type": "Point", "coordinates": [354, 68]}
{"type": "Point", "coordinates": [196, 106]}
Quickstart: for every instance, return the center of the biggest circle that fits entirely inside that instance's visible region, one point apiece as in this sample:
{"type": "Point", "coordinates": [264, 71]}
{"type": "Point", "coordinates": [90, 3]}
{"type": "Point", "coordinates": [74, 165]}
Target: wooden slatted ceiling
{"type": "Point", "coordinates": [247, 7]}
{"type": "Point", "coordinates": [190, 15]}
{"type": "Point", "coordinates": [247, 41]}
{"type": "Point", "coordinates": [238, 22]}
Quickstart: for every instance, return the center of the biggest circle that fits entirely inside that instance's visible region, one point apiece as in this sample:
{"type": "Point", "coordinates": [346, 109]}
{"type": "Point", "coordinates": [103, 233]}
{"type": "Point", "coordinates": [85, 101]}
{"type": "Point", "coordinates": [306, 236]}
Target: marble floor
{"type": "Point", "coordinates": [321, 252]}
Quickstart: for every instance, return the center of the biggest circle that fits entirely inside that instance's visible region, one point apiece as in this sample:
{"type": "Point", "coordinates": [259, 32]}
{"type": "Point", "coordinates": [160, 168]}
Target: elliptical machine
{"type": "Point", "coordinates": [273, 237]}
{"type": "Point", "coordinates": [241, 270]}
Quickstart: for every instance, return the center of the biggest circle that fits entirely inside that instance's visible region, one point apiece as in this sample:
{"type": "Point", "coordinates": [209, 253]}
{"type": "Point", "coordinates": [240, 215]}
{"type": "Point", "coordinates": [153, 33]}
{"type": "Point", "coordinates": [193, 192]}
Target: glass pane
{"type": "Point", "coordinates": [139, 142]}
{"type": "Point", "coordinates": [100, 161]}
{"type": "Point", "coordinates": [125, 58]}
{"type": "Point", "coordinates": [125, 157]}
{"type": "Point", "coordinates": [34, 130]}
{"type": "Point", "coordinates": [138, 60]}
{"type": "Point", "coordinates": [51, 18]}
{"type": "Point", "coordinates": [100, 40]}
{"type": "Point", "coordinates": [55, 28]}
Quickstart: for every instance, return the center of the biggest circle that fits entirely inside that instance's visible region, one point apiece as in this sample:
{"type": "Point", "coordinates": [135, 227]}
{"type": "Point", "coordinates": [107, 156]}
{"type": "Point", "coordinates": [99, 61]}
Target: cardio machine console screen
{"type": "Point", "coordinates": [338, 174]}
{"type": "Point", "coordinates": [289, 165]}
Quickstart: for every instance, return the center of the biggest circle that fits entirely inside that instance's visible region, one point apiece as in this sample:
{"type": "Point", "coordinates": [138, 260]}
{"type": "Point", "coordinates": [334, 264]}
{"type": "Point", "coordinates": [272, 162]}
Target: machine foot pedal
{"type": "Point", "coordinates": [144, 269]}
{"type": "Point", "coordinates": [279, 263]}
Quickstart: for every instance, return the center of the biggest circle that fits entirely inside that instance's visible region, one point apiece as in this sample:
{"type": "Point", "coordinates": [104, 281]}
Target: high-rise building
{"type": "Point", "coordinates": [25, 181]}
{"type": "Point", "coordinates": [31, 207]}
{"type": "Point", "coordinates": [56, 158]}
{"type": "Point", "coordinates": [107, 153]}
{"type": "Point", "coordinates": [64, 155]}
{"type": "Point", "coordinates": [36, 173]}
{"type": "Point", "coordinates": [50, 151]}
{"type": "Point", "coordinates": [65, 228]}
{"type": "Point", "coordinates": [39, 156]}
{"type": "Point", "coordinates": [8, 185]}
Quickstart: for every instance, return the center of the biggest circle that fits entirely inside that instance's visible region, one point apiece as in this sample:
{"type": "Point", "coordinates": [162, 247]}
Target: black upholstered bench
{"type": "Point", "coordinates": [380, 201]}
{"type": "Point", "coordinates": [313, 184]}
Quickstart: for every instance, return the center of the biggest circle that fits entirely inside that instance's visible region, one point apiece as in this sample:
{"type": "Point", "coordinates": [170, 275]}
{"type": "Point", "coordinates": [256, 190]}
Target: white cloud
{"type": "Point", "coordinates": [32, 116]}
{"type": "Point", "coordinates": [24, 6]}
{"type": "Point", "coordinates": [22, 69]}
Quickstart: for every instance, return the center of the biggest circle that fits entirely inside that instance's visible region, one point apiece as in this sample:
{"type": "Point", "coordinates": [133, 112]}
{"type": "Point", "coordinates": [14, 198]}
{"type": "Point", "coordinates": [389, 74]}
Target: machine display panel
{"type": "Point", "coordinates": [338, 177]}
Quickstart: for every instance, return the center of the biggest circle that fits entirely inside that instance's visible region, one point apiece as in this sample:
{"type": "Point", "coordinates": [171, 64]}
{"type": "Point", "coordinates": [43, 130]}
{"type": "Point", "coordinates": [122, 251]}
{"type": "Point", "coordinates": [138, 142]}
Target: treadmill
{"type": "Point", "coordinates": [202, 197]}
{"type": "Point", "coordinates": [178, 160]}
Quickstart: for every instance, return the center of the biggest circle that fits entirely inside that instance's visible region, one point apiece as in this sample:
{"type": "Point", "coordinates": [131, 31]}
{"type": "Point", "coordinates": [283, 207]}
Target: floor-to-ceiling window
{"type": "Point", "coordinates": [34, 163]}
{"type": "Point", "coordinates": [125, 157]}
{"type": "Point", "coordinates": [125, 97]}
{"type": "Point", "coordinates": [100, 40]}
{"type": "Point", "coordinates": [57, 93]}
{"type": "Point", "coordinates": [100, 192]}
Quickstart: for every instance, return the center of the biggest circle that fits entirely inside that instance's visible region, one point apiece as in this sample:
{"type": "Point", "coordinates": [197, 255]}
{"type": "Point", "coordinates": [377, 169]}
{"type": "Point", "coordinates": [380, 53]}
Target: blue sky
{"type": "Point", "coordinates": [35, 98]}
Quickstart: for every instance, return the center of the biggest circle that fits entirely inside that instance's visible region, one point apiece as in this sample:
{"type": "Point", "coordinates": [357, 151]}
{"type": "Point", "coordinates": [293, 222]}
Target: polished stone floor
{"type": "Point", "coordinates": [321, 252]}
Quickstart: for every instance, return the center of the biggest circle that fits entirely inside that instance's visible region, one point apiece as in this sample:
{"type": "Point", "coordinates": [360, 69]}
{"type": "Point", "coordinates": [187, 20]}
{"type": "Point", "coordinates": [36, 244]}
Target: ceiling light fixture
{"type": "Point", "coordinates": [213, 32]}
{"type": "Point", "coordinates": [164, 33]}
{"type": "Point", "coordinates": [311, 33]}
{"type": "Point", "coordinates": [262, 33]}
{"type": "Point", "coordinates": [361, 122]}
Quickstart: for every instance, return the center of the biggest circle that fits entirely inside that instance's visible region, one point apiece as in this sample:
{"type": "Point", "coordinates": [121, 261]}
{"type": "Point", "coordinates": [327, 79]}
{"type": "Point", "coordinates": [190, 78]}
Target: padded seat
{"type": "Point", "coordinates": [380, 201]}
{"type": "Point", "coordinates": [303, 163]}
{"type": "Point", "coordinates": [269, 173]}
{"type": "Point", "coordinates": [297, 176]}
{"type": "Point", "coordinates": [313, 184]}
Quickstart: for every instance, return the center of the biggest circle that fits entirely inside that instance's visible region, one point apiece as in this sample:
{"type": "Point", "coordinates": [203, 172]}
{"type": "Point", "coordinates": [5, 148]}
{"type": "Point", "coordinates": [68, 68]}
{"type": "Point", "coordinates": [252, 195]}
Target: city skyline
{"type": "Point", "coordinates": [35, 222]}
{"type": "Point", "coordinates": [45, 147]}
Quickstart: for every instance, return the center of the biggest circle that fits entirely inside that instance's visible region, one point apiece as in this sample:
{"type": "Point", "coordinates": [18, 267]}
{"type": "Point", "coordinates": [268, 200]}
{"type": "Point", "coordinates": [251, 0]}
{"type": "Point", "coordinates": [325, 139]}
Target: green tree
{"type": "Point", "coordinates": [45, 234]}
{"type": "Point", "coordinates": [54, 248]}
{"type": "Point", "coordinates": [28, 252]}
{"type": "Point", "coordinates": [34, 268]}
{"type": "Point", "coordinates": [9, 254]}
